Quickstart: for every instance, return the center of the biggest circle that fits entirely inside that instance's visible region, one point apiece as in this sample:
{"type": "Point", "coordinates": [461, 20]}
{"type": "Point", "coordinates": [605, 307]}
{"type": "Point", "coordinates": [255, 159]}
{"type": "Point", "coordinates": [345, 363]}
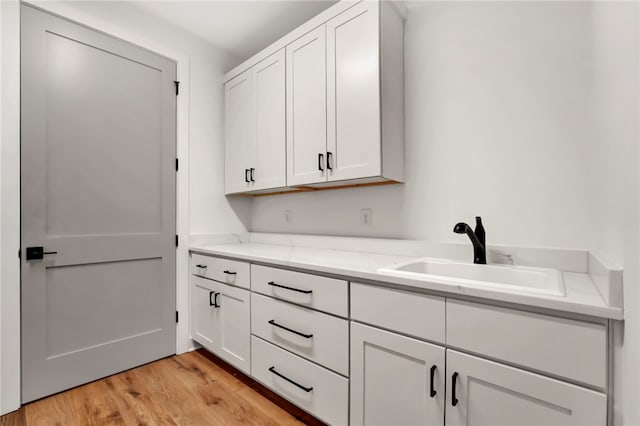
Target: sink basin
{"type": "Point", "coordinates": [513, 279]}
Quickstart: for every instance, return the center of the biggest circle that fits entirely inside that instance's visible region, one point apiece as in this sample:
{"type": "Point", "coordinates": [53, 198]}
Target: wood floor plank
{"type": "Point", "coordinates": [195, 388]}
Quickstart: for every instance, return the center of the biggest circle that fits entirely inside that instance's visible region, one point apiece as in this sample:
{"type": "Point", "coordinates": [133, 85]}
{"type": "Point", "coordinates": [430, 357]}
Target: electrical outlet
{"type": "Point", "coordinates": [287, 216]}
{"type": "Point", "coordinates": [365, 217]}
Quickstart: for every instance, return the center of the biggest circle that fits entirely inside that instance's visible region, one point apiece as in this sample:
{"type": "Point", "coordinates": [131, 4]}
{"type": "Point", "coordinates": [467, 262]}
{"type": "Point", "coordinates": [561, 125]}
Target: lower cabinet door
{"type": "Point", "coordinates": [203, 313]}
{"type": "Point", "coordinates": [232, 326]}
{"type": "Point", "coordinates": [487, 393]}
{"type": "Point", "coordinates": [395, 380]}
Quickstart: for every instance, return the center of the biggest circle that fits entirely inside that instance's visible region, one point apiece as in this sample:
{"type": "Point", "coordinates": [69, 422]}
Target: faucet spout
{"type": "Point", "coordinates": [477, 238]}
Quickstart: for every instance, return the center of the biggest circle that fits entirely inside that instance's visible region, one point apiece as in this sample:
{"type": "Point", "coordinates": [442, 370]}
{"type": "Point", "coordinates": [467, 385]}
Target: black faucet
{"type": "Point", "coordinates": [477, 238]}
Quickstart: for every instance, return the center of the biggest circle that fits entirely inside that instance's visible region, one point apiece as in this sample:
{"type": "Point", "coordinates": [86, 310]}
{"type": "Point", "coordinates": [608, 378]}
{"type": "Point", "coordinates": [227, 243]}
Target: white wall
{"type": "Point", "coordinates": [497, 115]}
{"type": "Point", "coordinates": [615, 179]}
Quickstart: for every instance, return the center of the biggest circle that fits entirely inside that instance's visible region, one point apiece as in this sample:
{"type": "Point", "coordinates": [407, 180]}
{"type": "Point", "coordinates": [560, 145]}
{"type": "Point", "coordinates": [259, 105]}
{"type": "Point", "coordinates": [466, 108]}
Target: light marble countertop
{"type": "Point", "coordinates": [582, 295]}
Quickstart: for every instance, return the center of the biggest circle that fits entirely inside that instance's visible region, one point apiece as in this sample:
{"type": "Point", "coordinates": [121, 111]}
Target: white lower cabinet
{"type": "Point", "coordinates": [220, 320]}
{"type": "Point", "coordinates": [395, 380]}
{"type": "Point", "coordinates": [486, 393]}
{"type": "Point", "coordinates": [316, 390]}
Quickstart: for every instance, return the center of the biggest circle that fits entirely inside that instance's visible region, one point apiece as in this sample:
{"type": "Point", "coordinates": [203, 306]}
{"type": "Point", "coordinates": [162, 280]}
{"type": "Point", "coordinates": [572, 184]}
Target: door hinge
{"type": "Point", "coordinates": [19, 255]}
{"type": "Point", "coordinates": [176, 240]}
{"type": "Point", "coordinates": [176, 164]}
{"type": "Point", "coordinates": [177, 83]}
{"type": "Point", "coordinates": [177, 316]}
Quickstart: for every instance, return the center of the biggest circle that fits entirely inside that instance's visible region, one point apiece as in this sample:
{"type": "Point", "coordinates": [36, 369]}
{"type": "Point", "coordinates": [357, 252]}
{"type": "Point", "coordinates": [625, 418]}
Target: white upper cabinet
{"type": "Point", "coordinates": [353, 94]}
{"type": "Point", "coordinates": [307, 109]}
{"type": "Point", "coordinates": [239, 133]}
{"type": "Point", "coordinates": [255, 127]}
{"type": "Point", "coordinates": [269, 97]}
{"type": "Point", "coordinates": [344, 108]}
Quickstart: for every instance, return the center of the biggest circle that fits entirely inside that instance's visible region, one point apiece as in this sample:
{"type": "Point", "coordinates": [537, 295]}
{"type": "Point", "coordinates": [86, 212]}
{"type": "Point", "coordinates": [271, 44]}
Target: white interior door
{"type": "Point", "coordinates": [395, 380]}
{"type": "Point", "coordinates": [307, 109]}
{"type": "Point", "coordinates": [271, 144]}
{"type": "Point", "coordinates": [239, 133]}
{"type": "Point", "coordinates": [353, 93]}
{"type": "Point", "coordinates": [98, 146]}
{"type": "Point", "coordinates": [486, 393]}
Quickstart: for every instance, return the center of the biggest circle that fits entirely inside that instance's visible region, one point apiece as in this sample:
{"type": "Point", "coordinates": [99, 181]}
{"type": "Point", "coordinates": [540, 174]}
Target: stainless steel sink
{"type": "Point", "coordinates": [512, 279]}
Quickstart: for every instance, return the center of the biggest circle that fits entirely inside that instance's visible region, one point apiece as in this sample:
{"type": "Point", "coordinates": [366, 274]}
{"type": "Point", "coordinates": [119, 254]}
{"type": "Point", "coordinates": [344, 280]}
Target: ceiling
{"type": "Point", "coordinates": [240, 27]}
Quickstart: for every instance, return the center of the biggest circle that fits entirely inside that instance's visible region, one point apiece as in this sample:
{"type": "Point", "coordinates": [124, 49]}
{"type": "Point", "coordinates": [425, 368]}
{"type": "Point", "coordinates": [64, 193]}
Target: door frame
{"type": "Point", "coordinates": [10, 387]}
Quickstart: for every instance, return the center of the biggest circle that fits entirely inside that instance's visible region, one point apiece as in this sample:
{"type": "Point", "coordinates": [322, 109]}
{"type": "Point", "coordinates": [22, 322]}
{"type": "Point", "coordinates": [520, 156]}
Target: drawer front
{"type": "Point", "coordinates": [227, 271]}
{"type": "Point", "coordinates": [311, 334]}
{"type": "Point", "coordinates": [313, 291]}
{"type": "Point", "coordinates": [572, 349]}
{"type": "Point", "coordinates": [325, 394]}
{"type": "Point", "coordinates": [406, 312]}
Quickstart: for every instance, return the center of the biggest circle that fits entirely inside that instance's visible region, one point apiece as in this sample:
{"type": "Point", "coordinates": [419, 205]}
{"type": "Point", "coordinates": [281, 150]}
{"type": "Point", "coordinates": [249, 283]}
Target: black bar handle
{"type": "Point", "coordinates": [229, 272]}
{"type": "Point", "coordinates": [329, 155]}
{"type": "Point", "coordinates": [304, 388]}
{"type": "Point", "coordinates": [37, 253]}
{"type": "Point", "coordinates": [212, 302]}
{"type": "Point", "coordinates": [215, 300]}
{"type": "Point", "coordinates": [454, 379]}
{"type": "Point", "coordinates": [433, 392]}
{"type": "Point", "coordinates": [201, 266]}
{"type": "Point", "coordinates": [251, 170]}
{"type": "Point", "coordinates": [246, 175]}
{"type": "Point", "coordinates": [271, 283]}
{"type": "Point", "coordinates": [275, 324]}
{"type": "Point", "coordinates": [320, 161]}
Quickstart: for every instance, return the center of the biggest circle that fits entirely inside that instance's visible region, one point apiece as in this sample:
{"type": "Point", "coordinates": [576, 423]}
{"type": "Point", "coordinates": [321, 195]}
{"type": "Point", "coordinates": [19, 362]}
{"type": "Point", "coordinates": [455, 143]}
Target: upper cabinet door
{"type": "Point", "coordinates": [239, 133]}
{"type": "Point", "coordinates": [395, 380]}
{"type": "Point", "coordinates": [269, 93]}
{"type": "Point", "coordinates": [307, 109]}
{"type": "Point", "coordinates": [489, 393]}
{"type": "Point", "coordinates": [353, 93]}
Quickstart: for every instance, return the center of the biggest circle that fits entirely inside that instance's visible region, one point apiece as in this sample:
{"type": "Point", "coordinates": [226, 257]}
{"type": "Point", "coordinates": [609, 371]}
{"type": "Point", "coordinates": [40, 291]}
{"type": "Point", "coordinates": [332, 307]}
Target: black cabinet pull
{"type": "Point", "coordinates": [201, 266]}
{"type": "Point", "coordinates": [275, 324]}
{"type": "Point", "coordinates": [229, 272]}
{"type": "Point", "coordinates": [454, 400]}
{"type": "Point", "coordinates": [304, 388]}
{"type": "Point", "coordinates": [251, 170]}
{"type": "Point", "coordinates": [215, 300]}
{"type": "Point", "coordinates": [271, 283]}
{"type": "Point", "coordinates": [320, 161]}
{"type": "Point", "coordinates": [329, 155]}
{"type": "Point", "coordinates": [212, 302]}
{"type": "Point", "coordinates": [433, 392]}
{"type": "Point", "coordinates": [246, 175]}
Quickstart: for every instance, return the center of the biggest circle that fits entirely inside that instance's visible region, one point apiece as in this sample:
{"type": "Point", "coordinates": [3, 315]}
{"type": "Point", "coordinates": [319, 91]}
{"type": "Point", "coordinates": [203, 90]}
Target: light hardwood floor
{"type": "Point", "coordinates": [190, 389]}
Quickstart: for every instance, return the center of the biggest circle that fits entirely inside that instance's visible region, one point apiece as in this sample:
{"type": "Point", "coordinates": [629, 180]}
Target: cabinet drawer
{"type": "Point", "coordinates": [224, 270]}
{"type": "Point", "coordinates": [313, 291]}
{"type": "Point", "coordinates": [406, 312]}
{"type": "Point", "coordinates": [566, 348]}
{"type": "Point", "coordinates": [311, 334]}
{"type": "Point", "coordinates": [326, 394]}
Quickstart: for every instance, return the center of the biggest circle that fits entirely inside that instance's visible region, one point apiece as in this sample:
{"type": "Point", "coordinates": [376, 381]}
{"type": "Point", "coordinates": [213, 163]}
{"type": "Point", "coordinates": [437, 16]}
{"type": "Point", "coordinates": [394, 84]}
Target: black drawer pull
{"type": "Point", "coordinates": [271, 283]}
{"type": "Point", "coordinates": [320, 161]}
{"type": "Point", "coordinates": [275, 324]}
{"type": "Point", "coordinates": [229, 272]}
{"type": "Point", "coordinates": [433, 392]}
{"type": "Point", "coordinates": [304, 388]}
{"type": "Point", "coordinates": [454, 400]}
{"type": "Point", "coordinates": [201, 266]}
